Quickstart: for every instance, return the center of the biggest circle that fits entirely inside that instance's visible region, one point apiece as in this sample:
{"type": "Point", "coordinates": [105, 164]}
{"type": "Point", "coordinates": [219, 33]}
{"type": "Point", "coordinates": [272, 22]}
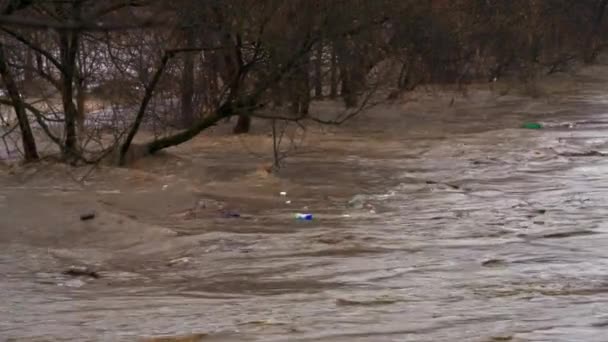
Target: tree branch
{"type": "Point", "coordinates": [143, 106]}
{"type": "Point", "coordinates": [40, 119]}
{"type": "Point", "coordinates": [34, 47]}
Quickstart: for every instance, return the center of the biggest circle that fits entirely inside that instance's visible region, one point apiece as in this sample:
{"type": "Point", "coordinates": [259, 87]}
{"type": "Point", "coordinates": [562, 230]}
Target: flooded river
{"type": "Point", "coordinates": [439, 227]}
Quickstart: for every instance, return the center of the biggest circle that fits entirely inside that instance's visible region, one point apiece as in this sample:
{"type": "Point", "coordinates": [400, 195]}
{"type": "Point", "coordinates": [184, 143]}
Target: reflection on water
{"type": "Point", "coordinates": [488, 235]}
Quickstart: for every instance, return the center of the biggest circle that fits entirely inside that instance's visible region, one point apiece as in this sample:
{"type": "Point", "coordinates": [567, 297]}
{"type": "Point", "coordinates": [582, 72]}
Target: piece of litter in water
{"type": "Point", "coordinates": [73, 283]}
{"type": "Point", "coordinates": [532, 125]}
{"type": "Point", "coordinates": [81, 271]}
{"type": "Point", "coordinates": [304, 217]}
{"type": "Point", "coordinates": [493, 263]}
{"type": "Point", "coordinates": [345, 215]}
{"type": "Point", "coordinates": [283, 193]}
{"type": "Point", "coordinates": [264, 322]}
{"type": "Point", "coordinates": [87, 216]}
{"type": "Point", "coordinates": [108, 192]}
{"type": "Point", "coordinates": [287, 202]}
{"type": "Point", "coordinates": [230, 214]}
{"type": "Point", "coordinates": [165, 187]}
{"type": "Point", "coordinates": [177, 261]}
{"type": "Point", "coordinates": [382, 300]}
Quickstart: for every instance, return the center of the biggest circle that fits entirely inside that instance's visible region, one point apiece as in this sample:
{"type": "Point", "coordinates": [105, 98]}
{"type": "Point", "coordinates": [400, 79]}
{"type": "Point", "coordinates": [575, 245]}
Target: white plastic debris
{"type": "Point", "coordinates": [283, 193]}
{"type": "Point", "coordinates": [108, 192]}
{"type": "Point", "coordinates": [76, 283]}
{"type": "Point", "coordinates": [183, 260]}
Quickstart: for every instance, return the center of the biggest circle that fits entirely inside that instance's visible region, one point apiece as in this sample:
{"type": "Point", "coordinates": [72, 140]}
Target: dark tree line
{"type": "Point", "coordinates": [176, 68]}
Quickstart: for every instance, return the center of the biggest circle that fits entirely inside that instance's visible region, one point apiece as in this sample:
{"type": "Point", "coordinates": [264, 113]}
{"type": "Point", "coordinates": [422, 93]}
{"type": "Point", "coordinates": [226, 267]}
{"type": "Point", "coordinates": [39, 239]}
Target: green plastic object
{"type": "Point", "coordinates": [532, 125]}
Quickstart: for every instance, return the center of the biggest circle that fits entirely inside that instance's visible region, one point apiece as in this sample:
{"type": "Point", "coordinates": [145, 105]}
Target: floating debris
{"type": "Point", "coordinates": [367, 302]}
{"type": "Point", "coordinates": [532, 125]}
{"type": "Point", "coordinates": [81, 271]}
{"type": "Point", "coordinates": [230, 214]}
{"type": "Point", "coordinates": [179, 261]}
{"type": "Point", "coordinates": [87, 216]}
{"type": "Point", "coordinates": [493, 263]}
{"type": "Point", "coordinates": [182, 338]}
{"type": "Point", "coordinates": [304, 217]}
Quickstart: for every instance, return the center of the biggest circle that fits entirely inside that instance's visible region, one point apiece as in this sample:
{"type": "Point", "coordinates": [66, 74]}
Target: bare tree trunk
{"type": "Point", "coordinates": [591, 44]}
{"type": "Point", "coordinates": [403, 79]}
{"type": "Point", "coordinates": [304, 86]}
{"type": "Point", "coordinates": [69, 41]}
{"type": "Point", "coordinates": [300, 87]}
{"type": "Point", "coordinates": [278, 94]}
{"type": "Point", "coordinates": [68, 49]}
{"type": "Point", "coordinates": [333, 72]}
{"type": "Point", "coordinates": [81, 99]}
{"type": "Point", "coordinates": [187, 84]}
{"type": "Point", "coordinates": [28, 73]}
{"type": "Point", "coordinates": [275, 145]}
{"type": "Point", "coordinates": [27, 137]}
{"type": "Point", "coordinates": [348, 91]}
{"type": "Point", "coordinates": [293, 94]}
{"type": "Point", "coordinates": [319, 71]}
{"type": "Point", "coordinates": [212, 80]}
{"type": "Point", "coordinates": [243, 124]}
{"type": "Point", "coordinates": [233, 65]}
{"type": "Point", "coordinates": [150, 87]}
{"type": "Point", "coordinates": [352, 72]}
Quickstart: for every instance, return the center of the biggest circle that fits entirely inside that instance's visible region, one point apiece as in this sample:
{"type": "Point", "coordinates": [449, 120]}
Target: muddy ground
{"type": "Point", "coordinates": [436, 218]}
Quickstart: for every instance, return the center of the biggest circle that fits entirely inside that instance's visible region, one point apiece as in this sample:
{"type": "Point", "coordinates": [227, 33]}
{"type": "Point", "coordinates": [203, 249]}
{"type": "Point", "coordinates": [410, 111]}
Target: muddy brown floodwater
{"type": "Point", "coordinates": [432, 223]}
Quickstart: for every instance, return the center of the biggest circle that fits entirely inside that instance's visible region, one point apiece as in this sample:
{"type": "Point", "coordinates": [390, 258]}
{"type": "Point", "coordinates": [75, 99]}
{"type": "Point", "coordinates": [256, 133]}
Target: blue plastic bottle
{"type": "Point", "coordinates": [304, 217]}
